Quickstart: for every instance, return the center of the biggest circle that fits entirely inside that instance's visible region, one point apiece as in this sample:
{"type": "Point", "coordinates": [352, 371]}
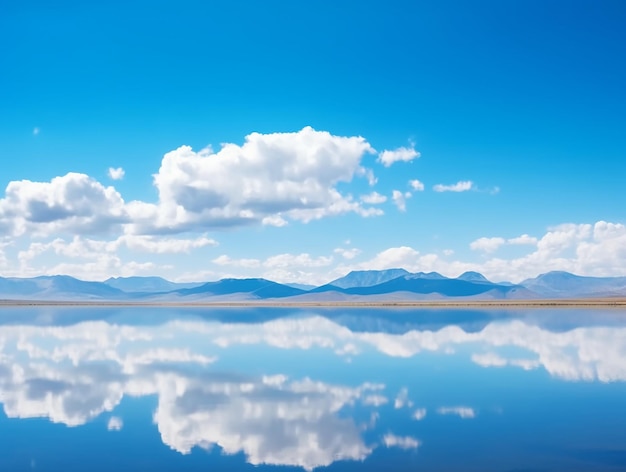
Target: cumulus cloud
{"type": "Point", "coordinates": [349, 253]}
{"type": "Point", "coordinates": [92, 259]}
{"type": "Point", "coordinates": [271, 179]}
{"type": "Point", "coordinates": [392, 258]}
{"type": "Point", "coordinates": [116, 173]}
{"type": "Point", "coordinates": [419, 414]}
{"type": "Point", "coordinates": [400, 198]}
{"type": "Point", "coordinates": [401, 154]}
{"type": "Point", "coordinates": [293, 176]}
{"type": "Point", "coordinates": [416, 185]}
{"type": "Point", "coordinates": [461, 186]}
{"type": "Point", "coordinates": [487, 244]}
{"type": "Point", "coordinates": [74, 203]}
{"type": "Point", "coordinates": [373, 198]}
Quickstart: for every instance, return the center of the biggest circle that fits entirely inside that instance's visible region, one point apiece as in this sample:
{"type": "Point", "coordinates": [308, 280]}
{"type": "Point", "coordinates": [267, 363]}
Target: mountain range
{"type": "Point", "coordinates": [368, 285]}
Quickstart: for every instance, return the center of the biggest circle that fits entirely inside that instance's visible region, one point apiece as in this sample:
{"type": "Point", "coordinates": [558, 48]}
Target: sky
{"type": "Point", "coordinates": [298, 141]}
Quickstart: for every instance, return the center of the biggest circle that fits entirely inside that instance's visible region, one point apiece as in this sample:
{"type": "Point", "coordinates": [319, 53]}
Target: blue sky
{"type": "Point", "coordinates": [521, 104]}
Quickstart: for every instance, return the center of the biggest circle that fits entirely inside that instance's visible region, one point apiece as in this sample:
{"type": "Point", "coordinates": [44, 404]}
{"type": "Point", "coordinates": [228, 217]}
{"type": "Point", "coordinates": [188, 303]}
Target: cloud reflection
{"type": "Point", "coordinates": [73, 374]}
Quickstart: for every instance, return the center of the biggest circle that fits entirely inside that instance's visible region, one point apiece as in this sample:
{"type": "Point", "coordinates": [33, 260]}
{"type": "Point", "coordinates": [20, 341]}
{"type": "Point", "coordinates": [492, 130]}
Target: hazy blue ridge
{"type": "Point", "coordinates": [564, 284]}
{"type": "Point", "coordinates": [367, 278]}
{"type": "Point", "coordinates": [147, 284]}
{"type": "Point", "coordinates": [259, 288]}
{"type": "Point", "coordinates": [353, 286]}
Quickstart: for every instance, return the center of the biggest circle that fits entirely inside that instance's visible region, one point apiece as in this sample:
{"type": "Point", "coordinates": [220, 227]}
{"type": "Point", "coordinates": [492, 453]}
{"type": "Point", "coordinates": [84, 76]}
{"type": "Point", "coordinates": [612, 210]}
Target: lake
{"type": "Point", "coordinates": [342, 389]}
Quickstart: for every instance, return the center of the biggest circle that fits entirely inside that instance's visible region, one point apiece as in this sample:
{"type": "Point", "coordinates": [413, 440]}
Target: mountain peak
{"type": "Point", "coordinates": [471, 276]}
{"type": "Point", "coordinates": [368, 278]}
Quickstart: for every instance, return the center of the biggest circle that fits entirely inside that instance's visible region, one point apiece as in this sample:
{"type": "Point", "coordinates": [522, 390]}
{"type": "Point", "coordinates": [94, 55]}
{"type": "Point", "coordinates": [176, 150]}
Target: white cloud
{"type": "Point", "coordinates": [402, 442]}
{"type": "Point", "coordinates": [416, 185]}
{"type": "Point", "coordinates": [349, 254]}
{"type": "Point", "coordinates": [293, 176]}
{"type": "Point", "coordinates": [487, 244]}
{"type": "Point", "coordinates": [282, 268]}
{"type": "Point", "coordinates": [74, 204]}
{"type": "Point", "coordinates": [489, 359]}
{"type": "Point", "coordinates": [116, 173]}
{"type": "Point", "coordinates": [419, 414]}
{"type": "Point", "coordinates": [163, 245]}
{"type": "Point", "coordinates": [460, 411]}
{"type": "Point", "coordinates": [392, 258]}
{"type": "Point", "coordinates": [271, 179]}
{"type": "Point", "coordinates": [461, 186]}
{"type": "Point", "coordinates": [524, 239]}
{"type": "Point", "coordinates": [224, 260]}
{"type": "Point", "coordinates": [399, 199]}
{"type": "Point", "coordinates": [297, 260]}
{"type": "Point", "coordinates": [274, 220]}
{"type": "Point", "coordinates": [115, 423]}
{"type": "Point", "coordinates": [373, 198]}
{"type": "Point", "coordinates": [401, 154]}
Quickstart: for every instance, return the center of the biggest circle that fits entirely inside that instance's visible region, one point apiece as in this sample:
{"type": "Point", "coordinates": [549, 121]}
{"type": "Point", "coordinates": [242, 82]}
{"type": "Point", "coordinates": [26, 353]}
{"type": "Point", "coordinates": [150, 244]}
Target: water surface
{"type": "Point", "coordinates": [299, 389]}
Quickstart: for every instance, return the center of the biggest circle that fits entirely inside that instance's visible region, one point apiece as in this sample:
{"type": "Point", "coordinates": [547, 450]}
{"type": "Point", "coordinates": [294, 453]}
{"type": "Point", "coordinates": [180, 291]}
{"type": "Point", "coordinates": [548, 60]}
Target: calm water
{"type": "Point", "coordinates": [343, 389]}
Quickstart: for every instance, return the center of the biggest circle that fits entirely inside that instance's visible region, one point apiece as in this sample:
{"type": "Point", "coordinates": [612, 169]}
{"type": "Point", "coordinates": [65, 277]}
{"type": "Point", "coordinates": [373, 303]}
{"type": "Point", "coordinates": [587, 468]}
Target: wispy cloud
{"type": "Point", "coordinates": [402, 442]}
{"type": "Point", "coordinates": [461, 186]}
{"type": "Point", "coordinates": [401, 154]}
{"type": "Point", "coordinates": [400, 198]}
{"type": "Point", "coordinates": [460, 411]}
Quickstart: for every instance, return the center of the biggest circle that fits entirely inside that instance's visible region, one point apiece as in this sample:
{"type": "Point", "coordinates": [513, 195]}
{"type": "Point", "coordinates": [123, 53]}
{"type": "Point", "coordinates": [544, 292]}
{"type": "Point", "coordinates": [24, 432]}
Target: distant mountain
{"type": "Point", "coordinates": [559, 284]}
{"type": "Point", "coordinates": [397, 285]}
{"type": "Point", "coordinates": [476, 277]}
{"type": "Point", "coordinates": [57, 287]}
{"type": "Point", "coordinates": [146, 284]}
{"type": "Point", "coordinates": [255, 288]}
{"type": "Point", "coordinates": [367, 278]}
{"type": "Point", "coordinates": [418, 284]}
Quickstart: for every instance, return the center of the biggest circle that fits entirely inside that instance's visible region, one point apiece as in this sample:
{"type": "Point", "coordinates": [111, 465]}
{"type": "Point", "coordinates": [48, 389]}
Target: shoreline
{"type": "Point", "coordinates": [538, 303]}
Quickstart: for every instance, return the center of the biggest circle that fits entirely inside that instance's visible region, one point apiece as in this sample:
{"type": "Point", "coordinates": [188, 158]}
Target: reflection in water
{"type": "Point", "coordinates": [72, 374]}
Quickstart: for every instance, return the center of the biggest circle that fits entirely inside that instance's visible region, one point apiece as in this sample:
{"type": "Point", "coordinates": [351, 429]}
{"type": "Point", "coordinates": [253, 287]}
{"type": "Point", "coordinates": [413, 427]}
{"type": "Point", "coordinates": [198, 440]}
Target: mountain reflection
{"type": "Point", "coordinates": [76, 372]}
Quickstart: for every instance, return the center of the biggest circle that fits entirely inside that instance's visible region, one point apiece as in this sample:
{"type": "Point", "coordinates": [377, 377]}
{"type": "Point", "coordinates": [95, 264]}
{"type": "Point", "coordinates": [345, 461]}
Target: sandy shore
{"type": "Point", "coordinates": [578, 302]}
